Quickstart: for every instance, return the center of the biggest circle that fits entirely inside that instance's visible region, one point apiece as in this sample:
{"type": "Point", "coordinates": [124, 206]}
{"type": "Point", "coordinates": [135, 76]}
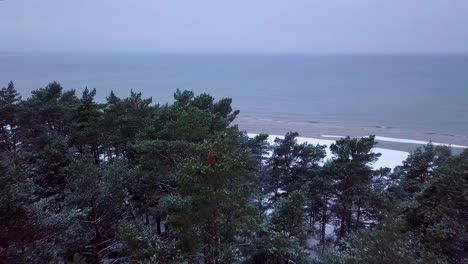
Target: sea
{"type": "Point", "coordinates": [423, 93]}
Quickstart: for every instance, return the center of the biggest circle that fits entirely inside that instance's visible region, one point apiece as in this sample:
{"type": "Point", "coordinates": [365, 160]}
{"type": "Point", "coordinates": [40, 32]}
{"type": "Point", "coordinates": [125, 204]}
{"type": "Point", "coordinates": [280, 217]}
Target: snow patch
{"type": "Point", "coordinates": [390, 158]}
{"type": "Point", "coordinates": [402, 140]}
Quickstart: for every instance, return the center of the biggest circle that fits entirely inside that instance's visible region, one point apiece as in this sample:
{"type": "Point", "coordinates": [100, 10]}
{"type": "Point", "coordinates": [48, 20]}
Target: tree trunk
{"type": "Point", "coordinates": [349, 216]}
{"type": "Point", "coordinates": [5, 138]}
{"type": "Point", "coordinates": [147, 219]}
{"type": "Point", "coordinates": [110, 155]}
{"type": "Point", "coordinates": [324, 223]}
{"type": "Point", "coordinates": [205, 254]}
{"type": "Point", "coordinates": [13, 134]}
{"type": "Point", "coordinates": [343, 222]}
{"type": "Point", "coordinates": [97, 239]}
{"type": "Point", "coordinates": [358, 216]}
{"type": "Point", "coordinates": [95, 154]}
{"type": "Point", "coordinates": [310, 219]}
{"type": "Point", "coordinates": [158, 225]}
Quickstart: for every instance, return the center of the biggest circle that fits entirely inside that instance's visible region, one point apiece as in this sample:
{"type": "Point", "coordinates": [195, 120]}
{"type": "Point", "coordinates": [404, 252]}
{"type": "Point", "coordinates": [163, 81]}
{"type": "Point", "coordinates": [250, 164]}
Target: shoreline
{"type": "Point", "coordinates": [391, 138]}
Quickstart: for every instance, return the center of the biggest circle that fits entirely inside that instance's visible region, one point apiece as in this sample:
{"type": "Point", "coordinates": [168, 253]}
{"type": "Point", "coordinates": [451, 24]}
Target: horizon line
{"type": "Point", "coordinates": [39, 52]}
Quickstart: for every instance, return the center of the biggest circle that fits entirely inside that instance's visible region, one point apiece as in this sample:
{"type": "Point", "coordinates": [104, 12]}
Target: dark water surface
{"type": "Point", "coordinates": [424, 93]}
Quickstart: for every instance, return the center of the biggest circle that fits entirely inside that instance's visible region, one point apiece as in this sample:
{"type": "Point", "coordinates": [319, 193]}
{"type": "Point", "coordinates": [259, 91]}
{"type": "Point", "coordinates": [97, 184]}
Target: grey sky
{"type": "Point", "coordinates": [235, 26]}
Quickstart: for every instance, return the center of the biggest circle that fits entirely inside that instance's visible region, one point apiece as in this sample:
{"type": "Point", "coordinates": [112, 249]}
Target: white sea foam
{"type": "Point", "coordinates": [390, 158]}
{"type": "Point", "coordinates": [402, 140]}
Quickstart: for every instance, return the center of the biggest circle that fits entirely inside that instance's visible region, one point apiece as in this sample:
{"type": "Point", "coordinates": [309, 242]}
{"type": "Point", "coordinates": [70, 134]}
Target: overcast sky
{"type": "Point", "coordinates": [235, 26]}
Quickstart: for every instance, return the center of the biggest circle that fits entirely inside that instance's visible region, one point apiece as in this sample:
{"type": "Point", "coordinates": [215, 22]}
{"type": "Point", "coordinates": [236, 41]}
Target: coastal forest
{"type": "Point", "coordinates": [127, 180]}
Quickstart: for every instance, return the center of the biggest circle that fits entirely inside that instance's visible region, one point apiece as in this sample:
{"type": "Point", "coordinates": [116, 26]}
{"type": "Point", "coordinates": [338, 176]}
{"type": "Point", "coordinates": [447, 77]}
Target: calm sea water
{"type": "Point", "coordinates": [421, 92]}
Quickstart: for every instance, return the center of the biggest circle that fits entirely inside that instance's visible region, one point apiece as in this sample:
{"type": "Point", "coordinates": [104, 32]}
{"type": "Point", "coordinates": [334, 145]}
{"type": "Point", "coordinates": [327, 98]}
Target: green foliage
{"type": "Point", "coordinates": [127, 181]}
{"type": "Point", "coordinates": [124, 119]}
{"type": "Point", "coordinates": [212, 210]}
{"type": "Point", "coordinates": [9, 115]}
{"type": "Point", "coordinates": [293, 164]}
{"type": "Point", "coordinates": [418, 169]}
{"type": "Point", "coordinates": [183, 99]}
{"type": "Point", "coordinates": [16, 219]}
{"type": "Point", "coordinates": [49, 109]}
{"type": "Point", "coordinates": [438, 217]}
{"type": "Point", "coordinates": [352, 179]}
{"type": "Point", "coordinates": [275, 247]}
{"type": "Point", "coordinates": [289, 216]}
{"type": "Point", "coordinates": [192, 125]}
{"type": "Point", "coordinates": [141, 245]}
{"type": "Point", "coordinates": [87, 129]}
{"type": "Point", "coordinates": [383, 245]}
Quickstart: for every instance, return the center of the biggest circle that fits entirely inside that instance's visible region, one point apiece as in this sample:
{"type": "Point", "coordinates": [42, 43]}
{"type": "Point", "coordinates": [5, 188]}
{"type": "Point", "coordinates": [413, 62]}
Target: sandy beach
{"type": "Point", "coordinates": [388, 137]}
{"type": "Point", "coordinates": [394, 144]}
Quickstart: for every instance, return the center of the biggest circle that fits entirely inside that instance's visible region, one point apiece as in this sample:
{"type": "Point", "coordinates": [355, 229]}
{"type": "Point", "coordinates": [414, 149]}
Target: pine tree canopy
{"type": "Point", "coordinates": [127, 180]}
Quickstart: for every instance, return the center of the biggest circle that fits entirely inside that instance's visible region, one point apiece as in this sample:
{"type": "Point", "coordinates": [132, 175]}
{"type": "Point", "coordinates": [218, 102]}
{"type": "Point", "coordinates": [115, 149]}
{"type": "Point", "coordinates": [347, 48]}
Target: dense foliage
{"type": "Point", "coordinates": [128, 181]}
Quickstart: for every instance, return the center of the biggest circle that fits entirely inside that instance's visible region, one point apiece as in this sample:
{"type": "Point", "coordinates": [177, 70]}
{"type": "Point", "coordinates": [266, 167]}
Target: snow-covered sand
{"type": "Point", "coordinates": [402, 140]}
{"type": "Point", "coordinates": [390, 158]}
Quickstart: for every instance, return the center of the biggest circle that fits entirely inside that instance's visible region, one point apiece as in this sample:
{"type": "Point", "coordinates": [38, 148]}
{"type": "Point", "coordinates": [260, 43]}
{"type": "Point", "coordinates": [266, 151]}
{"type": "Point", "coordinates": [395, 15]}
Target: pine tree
{"type": "Point", "coordinates": [437, 219]}
{"type": "Point", "coordinates": [276, 247]}
{"type": "Point", "coordinates": [352, 177]}
{"type": "Point", "coordinates": [292, 164]}
{"type": "Point", "coordinates": [99, 193]}
{"type": "Point", "coordinates": [87, 130]}
{"type": "Point", "coordinates": [50, 109]}
{"type": "Point", "coordinates": [124, 119]}
{"type": "Point", "coordinates": [385, 244]}
{"type": "Point", "coordinates": [212, 213]}
{"type": "Point", "coordinates": [418, 169]}
{"type": "Point", "coordinates": [131, 182]}
{"type": "Point", "coordinates": [16, 221]}
{"type": "Point", "coordinates": [320, 192]}
{"type": "Point", "coordinates": [288, 215]}
{"type": "Point", "coordinates": [9, 115]}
